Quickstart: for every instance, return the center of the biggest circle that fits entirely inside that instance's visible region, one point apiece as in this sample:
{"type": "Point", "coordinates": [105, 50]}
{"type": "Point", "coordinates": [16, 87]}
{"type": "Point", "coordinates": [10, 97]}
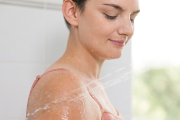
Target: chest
{"type": "Point", "coordinates": [103, 99]}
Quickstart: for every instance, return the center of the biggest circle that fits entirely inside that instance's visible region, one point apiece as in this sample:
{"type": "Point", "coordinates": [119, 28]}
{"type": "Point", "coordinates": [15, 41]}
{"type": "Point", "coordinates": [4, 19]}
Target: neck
{"type": "Point", "coordinates": [84, 61]}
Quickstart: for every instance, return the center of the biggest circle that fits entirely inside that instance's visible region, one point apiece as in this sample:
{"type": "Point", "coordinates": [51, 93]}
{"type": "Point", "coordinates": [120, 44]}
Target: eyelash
{"type": "Point", "coordinates": [132, 20]}
{"type": "Point", "coordinates": [110, 17]}
{"type": "Point", "coordinates": [114, 17]}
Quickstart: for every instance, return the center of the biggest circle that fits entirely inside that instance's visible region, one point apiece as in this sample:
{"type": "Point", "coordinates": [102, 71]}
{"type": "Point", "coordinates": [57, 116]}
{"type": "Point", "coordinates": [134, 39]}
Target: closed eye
{"type": "Point", "coordinates": [110, 17]}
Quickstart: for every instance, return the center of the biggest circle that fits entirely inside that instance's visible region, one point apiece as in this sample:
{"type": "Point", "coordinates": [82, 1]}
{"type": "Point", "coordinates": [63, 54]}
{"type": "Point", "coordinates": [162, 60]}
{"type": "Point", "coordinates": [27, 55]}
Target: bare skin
{"type": "Point", "coordinates": [90, 43]}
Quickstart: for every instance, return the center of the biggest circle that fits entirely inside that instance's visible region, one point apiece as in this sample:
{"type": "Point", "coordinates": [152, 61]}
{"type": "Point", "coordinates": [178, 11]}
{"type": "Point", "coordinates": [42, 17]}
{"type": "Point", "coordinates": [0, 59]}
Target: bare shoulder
{"type": "Point", "coordinates": [61, 95]}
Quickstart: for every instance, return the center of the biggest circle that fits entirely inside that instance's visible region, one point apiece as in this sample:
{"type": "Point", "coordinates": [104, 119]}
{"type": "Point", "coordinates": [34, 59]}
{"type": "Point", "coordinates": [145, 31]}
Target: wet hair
{"type": "Point", "coordinates": [81, 5]}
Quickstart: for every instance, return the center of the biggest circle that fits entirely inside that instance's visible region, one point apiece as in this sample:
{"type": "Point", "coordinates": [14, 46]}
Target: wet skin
{"type": "Point", "coordinates": [62, 94]}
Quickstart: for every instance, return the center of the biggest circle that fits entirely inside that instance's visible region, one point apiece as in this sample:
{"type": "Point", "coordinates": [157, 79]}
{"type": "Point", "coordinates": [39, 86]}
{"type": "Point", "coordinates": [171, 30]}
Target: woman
{"type": "Point", "coordinates": [70, 89]}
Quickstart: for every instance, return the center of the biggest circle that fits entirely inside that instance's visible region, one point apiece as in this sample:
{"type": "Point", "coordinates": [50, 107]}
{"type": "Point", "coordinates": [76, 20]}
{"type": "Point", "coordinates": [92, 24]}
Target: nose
{"type": "Point", "coordinates": [125, 27]}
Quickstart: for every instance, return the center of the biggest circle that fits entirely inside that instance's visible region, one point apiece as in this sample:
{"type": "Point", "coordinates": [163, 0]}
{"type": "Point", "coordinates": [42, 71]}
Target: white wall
{"type": "Point", "coordinates": [30, 41]}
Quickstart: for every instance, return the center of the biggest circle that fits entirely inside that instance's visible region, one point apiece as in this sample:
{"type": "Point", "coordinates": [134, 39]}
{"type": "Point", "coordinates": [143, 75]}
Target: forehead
{"type": "Point", "coordinates": [127, 5]}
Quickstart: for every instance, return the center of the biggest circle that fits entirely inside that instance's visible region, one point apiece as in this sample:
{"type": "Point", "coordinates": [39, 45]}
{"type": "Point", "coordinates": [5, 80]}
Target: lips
{"type": "Point", "coordinates": [119, 43]}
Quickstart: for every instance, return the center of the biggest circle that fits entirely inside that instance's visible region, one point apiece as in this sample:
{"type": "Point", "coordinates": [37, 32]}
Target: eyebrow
{"type": "Point", "coordinates": [115, 6]}
{"type": "Point", "coordinates": [120, 8]}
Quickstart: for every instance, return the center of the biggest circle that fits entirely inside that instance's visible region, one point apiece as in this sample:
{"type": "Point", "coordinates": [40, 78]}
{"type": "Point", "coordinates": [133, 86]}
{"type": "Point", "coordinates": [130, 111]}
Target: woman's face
{"type": "Point", "coordinates": [105, 26]}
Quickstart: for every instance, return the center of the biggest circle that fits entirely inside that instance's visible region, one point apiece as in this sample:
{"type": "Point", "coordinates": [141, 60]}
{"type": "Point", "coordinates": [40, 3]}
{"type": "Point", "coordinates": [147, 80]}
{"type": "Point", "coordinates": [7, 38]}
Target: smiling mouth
{"type": "Point", "coordinates": [120, 43]}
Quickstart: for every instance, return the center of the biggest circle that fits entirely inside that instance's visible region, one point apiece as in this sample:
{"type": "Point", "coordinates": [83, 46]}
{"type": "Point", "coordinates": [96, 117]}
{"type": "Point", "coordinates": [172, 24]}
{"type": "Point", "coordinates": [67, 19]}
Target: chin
{"type": "Point", "coordinates": [114, 56]}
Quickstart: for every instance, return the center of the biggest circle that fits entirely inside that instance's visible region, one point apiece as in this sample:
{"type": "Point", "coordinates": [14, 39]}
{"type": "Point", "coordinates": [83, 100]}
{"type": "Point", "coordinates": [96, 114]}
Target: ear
{"type": "Point", "coordinates": [70, 12]}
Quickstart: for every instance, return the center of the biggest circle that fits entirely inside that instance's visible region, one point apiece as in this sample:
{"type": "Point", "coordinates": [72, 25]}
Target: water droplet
{"type": "Point", "coordinates": [28, 114]}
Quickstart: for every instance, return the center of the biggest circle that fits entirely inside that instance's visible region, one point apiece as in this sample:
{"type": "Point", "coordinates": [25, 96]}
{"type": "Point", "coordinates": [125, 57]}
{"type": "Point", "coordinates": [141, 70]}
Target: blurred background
{"type": "Point", "coordinates": [143, 84]}
{"type": "Point", "coordinates": [156, 61]}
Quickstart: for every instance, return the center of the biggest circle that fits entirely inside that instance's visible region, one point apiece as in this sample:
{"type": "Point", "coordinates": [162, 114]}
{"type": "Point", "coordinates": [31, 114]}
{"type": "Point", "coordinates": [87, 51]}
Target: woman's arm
{"type": "Point", "coordinates": [62, 95]}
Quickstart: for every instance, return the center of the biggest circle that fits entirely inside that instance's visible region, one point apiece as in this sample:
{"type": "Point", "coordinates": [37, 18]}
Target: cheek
{"type": "Point", "coordinates": [100, 29]}
{"type": "Point", "coordinates": [99, 25]}
{"type": "Point", "coordinates": [95, 27]}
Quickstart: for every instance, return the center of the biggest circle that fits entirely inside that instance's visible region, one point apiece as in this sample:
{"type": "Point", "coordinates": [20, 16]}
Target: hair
{"type": "Point", "coordinates": [81, 5]}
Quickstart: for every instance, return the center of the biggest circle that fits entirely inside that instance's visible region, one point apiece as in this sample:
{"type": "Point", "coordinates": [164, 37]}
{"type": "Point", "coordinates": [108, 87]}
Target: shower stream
{"type": "Point", "coordinates": [120, 77]}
